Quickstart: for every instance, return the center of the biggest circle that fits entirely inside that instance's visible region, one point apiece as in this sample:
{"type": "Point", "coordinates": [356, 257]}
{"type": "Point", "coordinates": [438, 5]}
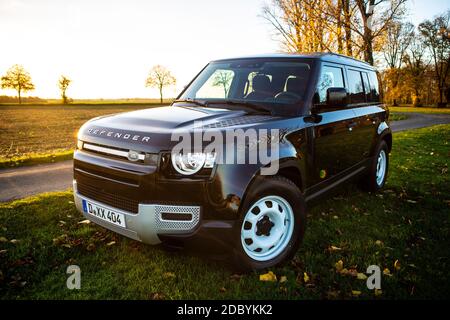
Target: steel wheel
{"type": "Point", "coordinates": [267, 228]}
{"type": "Point", "coordinates": [381, 167]}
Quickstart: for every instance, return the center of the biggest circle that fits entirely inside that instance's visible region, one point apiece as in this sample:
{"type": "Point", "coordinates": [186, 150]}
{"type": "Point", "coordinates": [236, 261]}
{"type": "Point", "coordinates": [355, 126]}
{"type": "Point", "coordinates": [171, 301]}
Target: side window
{"type": "Point", "coordinates": [217, 86]}
{"type": "Point", "coordinates": [374, 87]}
{"type": "Point", "coordinates": [356, 87]}
{"type": "Point", "coordinates": [366, 86]}
{"type": "Point", "coordinates": [330, 77]}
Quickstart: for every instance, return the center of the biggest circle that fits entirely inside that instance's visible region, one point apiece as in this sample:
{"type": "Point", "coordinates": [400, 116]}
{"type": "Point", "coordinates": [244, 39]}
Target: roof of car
{"type": "Point", "coordinates": [323, 56]}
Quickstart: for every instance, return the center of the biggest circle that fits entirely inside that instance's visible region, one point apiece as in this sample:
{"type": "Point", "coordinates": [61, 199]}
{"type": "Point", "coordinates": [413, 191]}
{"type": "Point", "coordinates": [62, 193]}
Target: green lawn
{"type": "Point", "coordinates": [406, 225]}
{"type": "Point", "coordinates": [419, 109]}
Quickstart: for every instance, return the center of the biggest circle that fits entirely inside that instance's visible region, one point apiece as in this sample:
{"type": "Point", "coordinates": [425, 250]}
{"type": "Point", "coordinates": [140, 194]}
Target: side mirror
{"type": "Point", "coordinates": [337, 97]}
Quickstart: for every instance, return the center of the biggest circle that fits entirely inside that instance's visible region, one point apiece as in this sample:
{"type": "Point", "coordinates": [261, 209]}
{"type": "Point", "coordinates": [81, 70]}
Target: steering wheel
{"type": "Point", "coordinates": [286, 95]}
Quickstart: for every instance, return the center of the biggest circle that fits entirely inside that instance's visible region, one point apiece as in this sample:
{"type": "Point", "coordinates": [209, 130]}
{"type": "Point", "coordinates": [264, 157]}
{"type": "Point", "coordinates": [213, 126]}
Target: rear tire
{"type": "Point", "coordinates": [271, 225]}
{"type": "Point", "coordinates": [378, 171]}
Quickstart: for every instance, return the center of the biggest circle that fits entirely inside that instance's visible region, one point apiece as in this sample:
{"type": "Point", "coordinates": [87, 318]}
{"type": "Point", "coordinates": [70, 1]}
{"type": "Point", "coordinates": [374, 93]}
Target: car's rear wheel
{"type": "Point", "coordinates": [272, 223]}
{"type": "Point", "coordinates": [376, 177]}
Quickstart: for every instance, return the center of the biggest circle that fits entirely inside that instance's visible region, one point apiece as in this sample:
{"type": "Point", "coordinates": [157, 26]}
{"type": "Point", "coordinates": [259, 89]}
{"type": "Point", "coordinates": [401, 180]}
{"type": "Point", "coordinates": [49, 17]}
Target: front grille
{"type": "Point", "coordinates": [107, 198]}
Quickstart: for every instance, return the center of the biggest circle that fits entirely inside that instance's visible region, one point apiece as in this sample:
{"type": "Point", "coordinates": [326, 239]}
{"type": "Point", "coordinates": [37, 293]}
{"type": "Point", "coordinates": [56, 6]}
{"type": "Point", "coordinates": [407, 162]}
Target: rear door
{"type": "Point", "coordinates": [365, 99]}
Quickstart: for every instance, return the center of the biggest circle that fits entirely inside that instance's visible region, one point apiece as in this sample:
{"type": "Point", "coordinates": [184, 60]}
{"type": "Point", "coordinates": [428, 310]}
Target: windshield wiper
{"type": "Point", "coordinates": [196, 102]}
{"type": "Point", "coordinates": [245, 104]}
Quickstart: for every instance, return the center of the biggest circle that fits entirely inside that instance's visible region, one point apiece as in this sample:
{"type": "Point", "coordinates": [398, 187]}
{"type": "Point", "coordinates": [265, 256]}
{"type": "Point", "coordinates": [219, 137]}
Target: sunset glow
{"type": "Point", "coordinates": [108, 47]}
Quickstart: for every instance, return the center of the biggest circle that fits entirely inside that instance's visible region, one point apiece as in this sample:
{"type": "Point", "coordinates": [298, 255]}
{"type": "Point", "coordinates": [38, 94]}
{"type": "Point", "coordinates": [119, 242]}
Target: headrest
{"type": "Point", "coordinates": [261, 82]}
{"type": "Point", "coordinates": [296, 85]}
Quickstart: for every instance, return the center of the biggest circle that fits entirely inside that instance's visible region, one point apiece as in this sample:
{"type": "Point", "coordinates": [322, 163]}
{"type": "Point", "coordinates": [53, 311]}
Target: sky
{"type": "Point", "coordinates": [107, 47]}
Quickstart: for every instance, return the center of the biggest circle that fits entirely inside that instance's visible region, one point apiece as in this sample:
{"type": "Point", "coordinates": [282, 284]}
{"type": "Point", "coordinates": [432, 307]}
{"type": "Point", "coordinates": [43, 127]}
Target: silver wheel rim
{"type": "Point", "coordinates": [381, 167]}
{"type": "Point", "coordinates": [267, 228]}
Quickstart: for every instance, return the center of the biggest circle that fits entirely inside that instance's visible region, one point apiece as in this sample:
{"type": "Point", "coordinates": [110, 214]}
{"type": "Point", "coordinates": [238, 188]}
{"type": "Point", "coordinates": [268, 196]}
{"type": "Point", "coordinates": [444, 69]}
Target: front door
{"type": "Point", "coordinates": [332, 137]}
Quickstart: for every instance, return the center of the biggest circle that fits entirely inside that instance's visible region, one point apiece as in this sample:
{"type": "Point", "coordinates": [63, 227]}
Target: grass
{"type": "Point", "coordinates": [33, 134]}
{"type": "Point", "coordinates": [406, 225]}
{"type": "Point", "coordinates": [419, 109]}
{"type": "Point", "coordinates": [397, 116]}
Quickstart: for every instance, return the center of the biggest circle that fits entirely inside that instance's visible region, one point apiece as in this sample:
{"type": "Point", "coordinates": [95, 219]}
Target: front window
{"type": "Point", "coordinates": [269, 82]}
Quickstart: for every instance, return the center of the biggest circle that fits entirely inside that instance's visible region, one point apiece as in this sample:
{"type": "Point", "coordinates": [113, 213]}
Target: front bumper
{"type": "Point", "coordinates": [148, 225]}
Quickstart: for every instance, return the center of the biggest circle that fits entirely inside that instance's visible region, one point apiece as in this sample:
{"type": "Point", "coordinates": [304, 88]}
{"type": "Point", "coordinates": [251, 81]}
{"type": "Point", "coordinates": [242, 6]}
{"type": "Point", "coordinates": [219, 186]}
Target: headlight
{"type": "Point", "coordinates": [79, 144]}
{"type": "Point", "coordinates": [191, 163]}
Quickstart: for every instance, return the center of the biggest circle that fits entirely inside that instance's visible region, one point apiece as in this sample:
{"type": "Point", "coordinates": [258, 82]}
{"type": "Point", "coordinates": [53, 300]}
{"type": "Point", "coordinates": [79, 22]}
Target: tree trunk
{"type": "Point", "coordinates": [161, 94]}
{"type": "Point", "coordinates": [348, 30]}
{"type": "Point", "coordinates": [20, 98]}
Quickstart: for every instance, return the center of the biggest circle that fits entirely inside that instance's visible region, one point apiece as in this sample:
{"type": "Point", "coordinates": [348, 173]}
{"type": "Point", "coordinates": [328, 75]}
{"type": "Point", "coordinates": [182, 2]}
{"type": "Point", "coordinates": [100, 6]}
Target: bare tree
{"type": "Point", "coordinates": [318, 25]}
{"type": "Point", "coordinates": [63, 84]}
{"type": "Point", "coordinates": [19, 79]}
{"type": "Point", "coordinates": [160, 77]}
{"type": "Point", "coordinates": [399, 36]}
{"type": "Point", "coordinates": [223, 78]}
{"type": "Point", "coordinates": [416, 66]}
{"type": "Point", "coordinates": [436, 34]}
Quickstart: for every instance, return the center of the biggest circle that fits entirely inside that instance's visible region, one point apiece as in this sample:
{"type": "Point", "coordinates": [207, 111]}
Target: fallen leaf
{"type": "Point", "coordinates": [85, 222]}
{"type": "Point", "coordinates": [397, 265]}
{"type": "Point", "coordinates": [353, 272]}
{"type": "Point", "coordinates": [111, 243]}
{"type": "Point", "coordinates": [90, 247]}
{"type": "Point", "coordinates": [3, 251]}
{"type": "Point", "coordinates": [157, 296]}
{"type": "Point", "coordinates": [14, 241]}
{"type": "Point", "coordinates": [378, 292]}
{"type": "Point", "coordinates": [236, 277]}
{"type": "Point", "coordinates": [283, 279]}
{"type": "Point", "coordinates": [344, 271]}
{"type": "Point", "coordinates": [387, 272]}
{"type": "Point", "coordinates": [3, 239]}
{"type": "Point", "coordinates": [305, 277]}
{"type": "Point", "coordinates": [62, 222]}
{"type": "Point", "coordinates": [334, 248]}
{"type": "Point", "coordinates": [223, 289]}
{"type": "Point", "coordinates": [379, 243]}
{"type": "Point", "coordinates": [356, 293]}
{"type": "Point", "coordinates": [339, 265]}
{"type": "Point", "coordinates": [270, 276]}
{"type": "Point", "coordinates": [169, 275]}
{"type": "Point", "coordinates": [361, 276]}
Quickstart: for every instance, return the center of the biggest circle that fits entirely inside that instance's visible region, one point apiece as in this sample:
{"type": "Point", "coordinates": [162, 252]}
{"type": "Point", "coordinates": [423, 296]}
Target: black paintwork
{"type": "Point", "coordinates": [319, 149]}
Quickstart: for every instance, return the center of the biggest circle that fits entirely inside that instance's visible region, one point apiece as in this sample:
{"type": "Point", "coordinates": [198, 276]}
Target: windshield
{"type": "Point", "coordinates": [267, 82]}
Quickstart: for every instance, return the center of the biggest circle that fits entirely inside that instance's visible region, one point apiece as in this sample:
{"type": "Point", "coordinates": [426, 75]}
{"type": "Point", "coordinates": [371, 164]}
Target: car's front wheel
{"type": "Point", "coordinates": [272, 223]}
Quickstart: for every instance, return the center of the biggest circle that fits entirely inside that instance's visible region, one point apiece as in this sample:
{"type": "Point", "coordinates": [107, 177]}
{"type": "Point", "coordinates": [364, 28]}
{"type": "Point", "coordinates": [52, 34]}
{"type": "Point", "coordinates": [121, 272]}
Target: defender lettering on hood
{"type": "Point", "coordinates": [117, 135]}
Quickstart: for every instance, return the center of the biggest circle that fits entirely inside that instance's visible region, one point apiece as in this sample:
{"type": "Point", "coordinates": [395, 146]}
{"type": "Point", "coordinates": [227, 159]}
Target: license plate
{"type": "Point", "coordinates": [104, 213]}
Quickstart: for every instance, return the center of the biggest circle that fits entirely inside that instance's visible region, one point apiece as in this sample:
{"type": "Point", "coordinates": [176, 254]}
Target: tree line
{"type": "Point", "coordinates": [415, 61]}
{"type": "Point", "coordinates": [19, 79]}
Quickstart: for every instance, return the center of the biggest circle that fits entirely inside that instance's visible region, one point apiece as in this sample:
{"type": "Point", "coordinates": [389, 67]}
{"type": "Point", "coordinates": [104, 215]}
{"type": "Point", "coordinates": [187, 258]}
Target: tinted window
{"type": "Point", "coordinates": [330, 77]}
{"type": "Point", "coordinates": [374, 87]}
{"type": "Point", "coordinates": [366, 86]}
{"type": "Point", "coordinates": [356, 87]}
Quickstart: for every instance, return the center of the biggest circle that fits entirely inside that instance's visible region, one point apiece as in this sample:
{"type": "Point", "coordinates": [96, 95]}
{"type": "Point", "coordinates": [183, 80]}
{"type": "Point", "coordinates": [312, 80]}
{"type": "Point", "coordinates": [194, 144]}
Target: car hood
{"type": "Point", "coordinates": [150, 130]}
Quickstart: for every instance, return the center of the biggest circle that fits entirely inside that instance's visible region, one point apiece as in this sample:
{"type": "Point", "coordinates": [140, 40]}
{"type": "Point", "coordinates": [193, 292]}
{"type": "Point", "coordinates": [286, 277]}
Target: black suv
{"type": "Point", "coordinates": [321, 116]}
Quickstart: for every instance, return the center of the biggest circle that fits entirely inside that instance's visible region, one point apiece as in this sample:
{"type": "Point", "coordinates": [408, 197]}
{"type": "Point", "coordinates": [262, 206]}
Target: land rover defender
{"type": "Point", "coordinates": [321, 115]}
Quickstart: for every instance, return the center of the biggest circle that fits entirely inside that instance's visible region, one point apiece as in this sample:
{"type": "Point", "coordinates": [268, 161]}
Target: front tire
{"type": "Point", "coordinates": [272, 224]}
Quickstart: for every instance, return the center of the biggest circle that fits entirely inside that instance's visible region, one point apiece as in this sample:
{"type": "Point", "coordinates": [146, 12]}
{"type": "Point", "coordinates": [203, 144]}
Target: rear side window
{"type": "Point", "coordinates": [356, 87]}
{"type": "Point", "coordinates": [366, 86]}
{"type": "Point", "coordinates": [374, 88]}
{"type": "Point", "coordinates": [330, 77]}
